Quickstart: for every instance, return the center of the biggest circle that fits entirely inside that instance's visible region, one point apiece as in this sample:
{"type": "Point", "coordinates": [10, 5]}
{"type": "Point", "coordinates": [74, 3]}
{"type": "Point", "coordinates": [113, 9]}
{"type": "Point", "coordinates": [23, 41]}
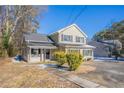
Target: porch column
{"type": "Point", "coordinates": [44, 55]}
{"type": "Point", "coordinates": [81, 51]}
{"type": "Point", "coordinates": [66, 50]}
{"type": "Point", "coordinates": [40, 54]}
{"type": "Point", "coordinates": [29, 54]}
{"type": "Point", "coordinates": [92, 55]}
{"type": "Point", "coordinates": [50, 55]}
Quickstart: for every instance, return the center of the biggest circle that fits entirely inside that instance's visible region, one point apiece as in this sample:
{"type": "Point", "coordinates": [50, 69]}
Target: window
{"type": "Point", "coordinates": [79, 39]}
{"type": "Point", "coordinates": [35, 52]}
{"type": "Point", "coordinates": [67, 38]}
{"type": "Point", "coordinates": [73, 50]}
{"type": "Point", "coordinates": [87, 52]}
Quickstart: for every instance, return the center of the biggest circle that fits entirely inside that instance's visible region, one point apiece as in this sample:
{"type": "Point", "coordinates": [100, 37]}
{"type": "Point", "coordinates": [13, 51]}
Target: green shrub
{"type": "Point", "coordinates": [60, 57]}
{"type": "Point", "coordinates": [74, 60]}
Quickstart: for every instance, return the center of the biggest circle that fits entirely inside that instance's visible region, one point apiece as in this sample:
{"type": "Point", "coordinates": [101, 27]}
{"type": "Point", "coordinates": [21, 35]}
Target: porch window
{"type": "Point", "coordinates": [87, 52]}
{"type": "Point", "coordinates": [35, 52]}
{"type": "Point", "coordinates": [67, 38]}
{"type": "Point", "coordinates": [73, 50]}
{"type": "Point", "coordinates": [80, 39]}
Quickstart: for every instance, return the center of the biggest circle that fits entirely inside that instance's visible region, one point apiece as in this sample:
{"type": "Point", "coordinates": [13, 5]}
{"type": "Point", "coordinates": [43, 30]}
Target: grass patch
{"type": "Point", "coordinates": [21, 76]}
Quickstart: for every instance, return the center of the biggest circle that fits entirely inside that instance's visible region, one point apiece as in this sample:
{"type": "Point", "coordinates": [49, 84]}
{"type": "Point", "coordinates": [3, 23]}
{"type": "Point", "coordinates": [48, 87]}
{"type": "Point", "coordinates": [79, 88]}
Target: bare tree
{"type": "Point", "coordinates": [17, 20]}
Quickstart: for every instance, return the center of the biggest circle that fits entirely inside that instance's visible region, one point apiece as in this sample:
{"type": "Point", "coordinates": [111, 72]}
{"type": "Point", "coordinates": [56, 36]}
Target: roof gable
{"type": "Point", "coordinates": [73, 25]}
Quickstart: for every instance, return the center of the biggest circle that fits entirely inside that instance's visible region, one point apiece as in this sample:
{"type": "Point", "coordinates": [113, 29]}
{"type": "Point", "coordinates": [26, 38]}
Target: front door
{"type": "Point", "coordinates": [47, 54]}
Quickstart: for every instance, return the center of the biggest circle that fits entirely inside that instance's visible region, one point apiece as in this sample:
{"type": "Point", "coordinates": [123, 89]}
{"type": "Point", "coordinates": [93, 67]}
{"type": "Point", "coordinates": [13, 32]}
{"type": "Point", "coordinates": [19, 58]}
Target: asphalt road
{"type": "Point", "coordinates": [110, 74]}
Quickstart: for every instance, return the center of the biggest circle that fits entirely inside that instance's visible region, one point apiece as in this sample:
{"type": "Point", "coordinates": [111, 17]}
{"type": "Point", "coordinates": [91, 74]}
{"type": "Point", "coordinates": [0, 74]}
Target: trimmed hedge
{"type": "Point", "coordinates": [60, 57]}
{"type": "Point", "coordinates": [74, 60]}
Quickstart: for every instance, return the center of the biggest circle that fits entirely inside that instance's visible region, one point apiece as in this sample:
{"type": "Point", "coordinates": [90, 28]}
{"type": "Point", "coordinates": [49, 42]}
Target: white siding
{"type": "Point", "coordinates": [74, 32]}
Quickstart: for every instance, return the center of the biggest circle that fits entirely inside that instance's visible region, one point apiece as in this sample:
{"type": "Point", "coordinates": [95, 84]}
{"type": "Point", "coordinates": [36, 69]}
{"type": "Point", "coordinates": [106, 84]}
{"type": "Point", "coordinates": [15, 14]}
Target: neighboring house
{"type": "Point", "coordinates": [100, 50]}
{"type": "Point", "coordinates": [114, 43]}
{"type": "Point", "coordinates": [40, 47]}
{"type": "Point", "coordinates": [102, 47]}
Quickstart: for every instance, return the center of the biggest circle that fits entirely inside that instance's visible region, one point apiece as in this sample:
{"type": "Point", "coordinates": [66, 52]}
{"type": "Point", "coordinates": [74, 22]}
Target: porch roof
{"type": "Point", "coordinates": [81, 46]}
{"type": "Point", "coordinates": [42, 45]}
{"type": "Point", "coordinates": [88, 46]}
{"type": "Point", "coordinates": [36, 37]}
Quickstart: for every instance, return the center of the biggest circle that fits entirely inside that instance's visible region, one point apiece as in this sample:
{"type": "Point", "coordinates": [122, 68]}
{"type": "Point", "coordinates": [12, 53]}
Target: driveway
{"type": "Point", "coordinates": [107, 59]}
{"type": "Point", "coordinates": [110, 74]}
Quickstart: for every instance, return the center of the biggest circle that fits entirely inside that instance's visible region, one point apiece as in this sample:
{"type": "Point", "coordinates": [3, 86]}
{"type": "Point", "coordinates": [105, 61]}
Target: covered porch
{"type": "Point", "coordinates": [39, 53]}
{"type": "Point", "coordinates": [85, 50]}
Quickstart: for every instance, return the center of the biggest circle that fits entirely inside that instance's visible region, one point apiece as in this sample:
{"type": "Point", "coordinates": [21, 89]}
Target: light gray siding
{"type": "Point", "coordinates": [74, 32]}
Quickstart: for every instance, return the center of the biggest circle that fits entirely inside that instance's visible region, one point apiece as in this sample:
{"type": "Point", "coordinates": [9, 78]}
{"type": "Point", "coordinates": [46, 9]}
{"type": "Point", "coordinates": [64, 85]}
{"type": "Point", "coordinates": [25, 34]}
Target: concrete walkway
{"type": "Point", "coordinates": [80, 81]}
{"type": "Point", "coordinates": [76, 79]}
{"type": "Point", "coordinates": [83, 82]}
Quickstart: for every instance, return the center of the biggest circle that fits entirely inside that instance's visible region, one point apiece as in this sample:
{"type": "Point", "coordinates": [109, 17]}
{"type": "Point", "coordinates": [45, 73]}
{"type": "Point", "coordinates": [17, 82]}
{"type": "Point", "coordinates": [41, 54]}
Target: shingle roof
{"type": "Point", "coordinates": [111, 41]}
{"type": "Point", "coordinates": [39, 44]}
{"type": "Point", "coordinates": [38, 40]}
{"type": "Point", "coordinates": [36, 37]}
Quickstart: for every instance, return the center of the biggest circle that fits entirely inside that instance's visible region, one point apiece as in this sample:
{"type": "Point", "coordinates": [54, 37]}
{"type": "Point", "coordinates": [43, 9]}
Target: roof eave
{"type": "Point", "coordinates": [39, 41]}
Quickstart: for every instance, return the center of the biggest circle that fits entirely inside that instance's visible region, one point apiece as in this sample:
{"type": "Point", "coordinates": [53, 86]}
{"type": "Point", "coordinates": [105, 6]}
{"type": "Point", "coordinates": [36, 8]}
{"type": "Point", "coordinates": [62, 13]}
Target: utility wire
{"type": "Point", "coordinates": [78, 15]}
{"type": "Point", "coordinates": [70, 16]}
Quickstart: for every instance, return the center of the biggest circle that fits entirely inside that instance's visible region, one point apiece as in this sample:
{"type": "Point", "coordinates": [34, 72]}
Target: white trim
{"type": "Point", "coordinates": [89, 47]}
{"type": "Point", "coordinates": [43, 47]}
{"type": "Point", "coordinates": [38, 41]}
{"type": "Point", "coordinates": [70, 43]}
{"type": "Point", "coordinates": [81, 46]}
{"type": "Point", "coordinates": [89, 56]}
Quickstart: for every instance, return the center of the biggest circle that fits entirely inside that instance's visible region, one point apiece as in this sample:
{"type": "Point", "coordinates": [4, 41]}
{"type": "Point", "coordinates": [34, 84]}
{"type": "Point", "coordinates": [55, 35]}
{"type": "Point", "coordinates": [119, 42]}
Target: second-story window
{"type": "Point", "coordinates": [67, 38]}
{"type": "Point", "coordinates": [79, 39]}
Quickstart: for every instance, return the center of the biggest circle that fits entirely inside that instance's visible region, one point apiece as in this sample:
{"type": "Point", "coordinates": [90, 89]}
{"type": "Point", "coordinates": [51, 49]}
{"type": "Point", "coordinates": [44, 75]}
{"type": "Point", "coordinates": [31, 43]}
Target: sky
{"type": "Point", "coordinates": [90, 19]}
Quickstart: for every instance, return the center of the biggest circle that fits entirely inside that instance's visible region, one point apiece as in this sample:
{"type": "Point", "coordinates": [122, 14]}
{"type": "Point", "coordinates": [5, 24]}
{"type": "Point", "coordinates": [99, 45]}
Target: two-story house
{"type": "Point", "coordinates": [39, 47]}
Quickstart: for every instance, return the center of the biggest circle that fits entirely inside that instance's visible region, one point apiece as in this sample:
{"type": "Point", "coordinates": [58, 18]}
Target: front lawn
{"type": "Point", "coordinates": [28, 75]}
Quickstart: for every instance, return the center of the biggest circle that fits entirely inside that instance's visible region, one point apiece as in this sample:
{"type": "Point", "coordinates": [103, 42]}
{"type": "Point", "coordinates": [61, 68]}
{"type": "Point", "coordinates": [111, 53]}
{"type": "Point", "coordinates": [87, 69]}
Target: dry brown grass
{"type": "Point", "coordinates": [4, 61]}
{"type": "Point", "coordinates": [84, 68]}
{"type": "Point", "coordinates": [19, 75]}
